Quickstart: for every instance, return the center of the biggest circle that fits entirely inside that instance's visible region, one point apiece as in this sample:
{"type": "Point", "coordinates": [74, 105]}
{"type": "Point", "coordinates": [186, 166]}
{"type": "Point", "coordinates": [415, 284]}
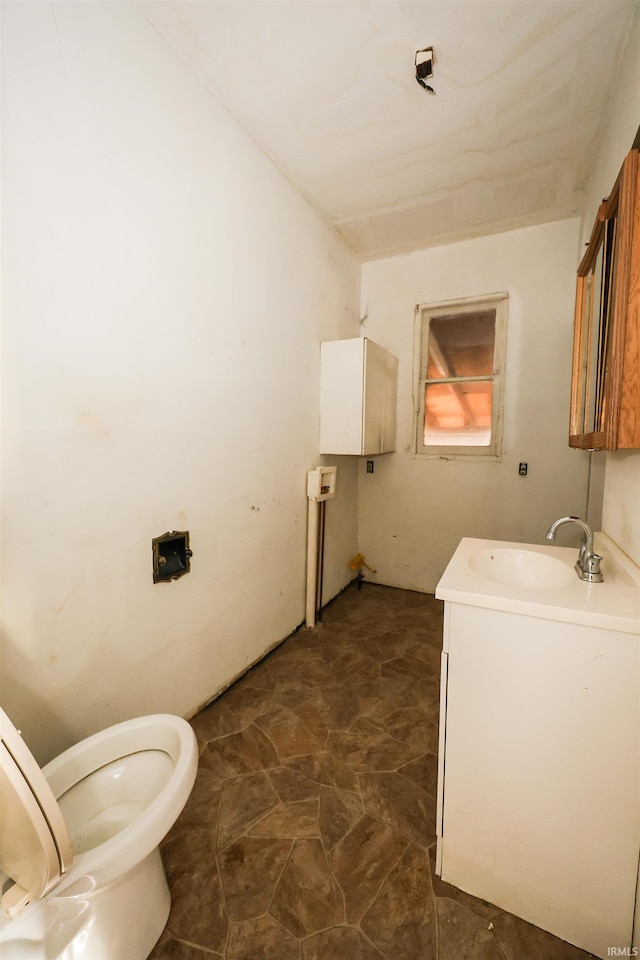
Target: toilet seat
{"type": "Point", "coordinates": [35, 848]}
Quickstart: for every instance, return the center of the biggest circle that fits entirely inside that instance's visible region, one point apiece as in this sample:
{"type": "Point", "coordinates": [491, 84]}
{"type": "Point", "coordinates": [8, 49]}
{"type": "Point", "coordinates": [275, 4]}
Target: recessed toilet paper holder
{"type": "Point", "coordinates": [171, 556]}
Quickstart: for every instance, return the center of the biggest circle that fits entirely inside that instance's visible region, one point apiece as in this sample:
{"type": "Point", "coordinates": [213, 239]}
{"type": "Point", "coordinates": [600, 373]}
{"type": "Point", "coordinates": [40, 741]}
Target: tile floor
{"type": "Point", "coordinates": [309, 834]}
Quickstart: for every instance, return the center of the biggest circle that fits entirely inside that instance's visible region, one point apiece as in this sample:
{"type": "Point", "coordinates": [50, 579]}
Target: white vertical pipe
{"type": "Point", "coordinates": [312, 562]}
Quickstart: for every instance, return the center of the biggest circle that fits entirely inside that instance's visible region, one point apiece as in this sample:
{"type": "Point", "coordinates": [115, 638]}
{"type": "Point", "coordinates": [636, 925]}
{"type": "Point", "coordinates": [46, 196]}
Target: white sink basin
{"type": "Point", "coordinates": [522, 568]}
{"type": "Point", "coordinates": [540, 580]}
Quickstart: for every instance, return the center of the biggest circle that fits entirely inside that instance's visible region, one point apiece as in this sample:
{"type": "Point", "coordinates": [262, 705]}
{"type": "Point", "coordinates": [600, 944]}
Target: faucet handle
{"type": "Point", "coordinates": [591, 568]}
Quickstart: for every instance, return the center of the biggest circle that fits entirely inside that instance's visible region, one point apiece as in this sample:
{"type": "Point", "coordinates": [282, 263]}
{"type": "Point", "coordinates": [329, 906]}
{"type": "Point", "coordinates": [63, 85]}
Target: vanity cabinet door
{"type": "Point", "coordinates": [605, 393]}
{"type": "Point", "coordinates": [538, 809]}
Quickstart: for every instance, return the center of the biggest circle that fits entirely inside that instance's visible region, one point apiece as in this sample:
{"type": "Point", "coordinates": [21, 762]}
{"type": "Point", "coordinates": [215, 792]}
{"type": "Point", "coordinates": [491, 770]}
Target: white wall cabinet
{"type": "Point", "coordinates": [358, 390]}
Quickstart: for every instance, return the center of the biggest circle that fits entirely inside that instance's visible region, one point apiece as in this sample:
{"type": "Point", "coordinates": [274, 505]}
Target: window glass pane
{"type": "Point", "coordinates": [458, 414]}
{"type": "Point", "coordinates": [461, 345]}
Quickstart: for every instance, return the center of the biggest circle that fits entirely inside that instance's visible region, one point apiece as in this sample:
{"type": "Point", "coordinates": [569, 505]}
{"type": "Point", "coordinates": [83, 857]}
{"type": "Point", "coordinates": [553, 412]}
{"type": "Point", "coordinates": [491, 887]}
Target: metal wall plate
{"type": "Point", "coordinates": [171, 556]}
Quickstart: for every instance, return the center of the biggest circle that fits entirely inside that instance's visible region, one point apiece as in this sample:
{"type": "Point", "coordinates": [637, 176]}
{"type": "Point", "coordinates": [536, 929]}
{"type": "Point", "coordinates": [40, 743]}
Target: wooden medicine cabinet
{"type": "Point", "coordinates": [605, 389]}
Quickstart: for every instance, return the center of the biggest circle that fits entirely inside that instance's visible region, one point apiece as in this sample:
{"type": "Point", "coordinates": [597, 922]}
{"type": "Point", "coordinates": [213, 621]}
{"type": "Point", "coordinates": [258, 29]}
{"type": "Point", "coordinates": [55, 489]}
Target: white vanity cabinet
{"type": "Point", "coordinates": [358, 389]}
{"type": "Point", "coordinates": [539, 760]}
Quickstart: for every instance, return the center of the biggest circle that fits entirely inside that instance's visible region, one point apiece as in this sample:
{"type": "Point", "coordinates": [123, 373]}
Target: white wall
{"type": "Point", "coordinates": [165, 294]}
{"type": "Point", "coordinates": [414, 511]}
{"type": "Point", "coordinates": [621, 506]}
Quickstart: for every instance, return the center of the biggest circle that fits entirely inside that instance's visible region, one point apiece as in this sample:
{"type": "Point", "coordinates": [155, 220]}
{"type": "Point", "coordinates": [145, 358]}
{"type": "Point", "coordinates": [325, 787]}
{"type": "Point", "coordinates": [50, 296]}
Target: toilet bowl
{"type": "Point", "coordinates": [80, 867]}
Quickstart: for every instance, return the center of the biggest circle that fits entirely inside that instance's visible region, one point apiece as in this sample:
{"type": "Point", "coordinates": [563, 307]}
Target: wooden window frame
{"type": "Point", "coordinates": [423, 315]}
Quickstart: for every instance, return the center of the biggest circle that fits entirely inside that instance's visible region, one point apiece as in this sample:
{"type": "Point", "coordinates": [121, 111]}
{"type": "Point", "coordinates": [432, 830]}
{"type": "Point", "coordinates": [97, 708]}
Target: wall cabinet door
{"type": "Point", "coordinates": [605, 392]}
{"type": "Point", "coordinates": [358, 391]}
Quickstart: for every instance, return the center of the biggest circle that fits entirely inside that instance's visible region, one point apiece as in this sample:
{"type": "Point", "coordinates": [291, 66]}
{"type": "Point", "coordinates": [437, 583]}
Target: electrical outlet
{"type": "Point", "coordinates": [369, 466]}
{"type": "Point", "coordinates": [522, 469]}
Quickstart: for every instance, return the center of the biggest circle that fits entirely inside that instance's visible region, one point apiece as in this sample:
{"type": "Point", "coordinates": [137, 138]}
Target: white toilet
{"type": "Point", "coordinates": [80, 867]}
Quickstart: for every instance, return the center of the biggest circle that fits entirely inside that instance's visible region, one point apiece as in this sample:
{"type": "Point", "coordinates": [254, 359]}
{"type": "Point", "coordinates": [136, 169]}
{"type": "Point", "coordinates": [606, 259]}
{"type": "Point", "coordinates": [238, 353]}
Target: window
{"type": "Point", "coordinates": [459, 376]}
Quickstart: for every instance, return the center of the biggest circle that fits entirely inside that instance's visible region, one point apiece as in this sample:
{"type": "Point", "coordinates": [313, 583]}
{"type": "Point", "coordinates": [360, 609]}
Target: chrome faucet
{"type": "Point", "coordinates": [588, 562]}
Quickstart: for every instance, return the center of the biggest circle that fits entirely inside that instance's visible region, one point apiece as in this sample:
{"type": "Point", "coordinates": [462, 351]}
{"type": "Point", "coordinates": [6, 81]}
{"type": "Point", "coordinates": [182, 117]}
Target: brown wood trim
{"type": "Point", "coordinates": [622, 276]}
{"type": "Point", "coordinates": [609, 206]}
{"type": "Point", "coordinates": [588, 441]}
{"type": "Point", "coordinates": [607, 209]}
{"type": "Point", "coordinates": [586, 264]}
{"type": "Point", "coordinates": [576, 424]}
{"type": "Point", "coordinates": [618, 424]}
{"type": "Point", "coordinates": [629, 419]}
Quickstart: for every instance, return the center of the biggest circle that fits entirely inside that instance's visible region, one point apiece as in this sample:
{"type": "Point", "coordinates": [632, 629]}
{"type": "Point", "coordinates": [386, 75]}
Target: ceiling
{"type": "Point", "coordinates": [328, 90]}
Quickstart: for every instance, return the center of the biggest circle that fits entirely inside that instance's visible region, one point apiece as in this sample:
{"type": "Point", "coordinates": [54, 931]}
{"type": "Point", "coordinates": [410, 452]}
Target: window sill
{"type": "Point", "coordinates": [471, 457]}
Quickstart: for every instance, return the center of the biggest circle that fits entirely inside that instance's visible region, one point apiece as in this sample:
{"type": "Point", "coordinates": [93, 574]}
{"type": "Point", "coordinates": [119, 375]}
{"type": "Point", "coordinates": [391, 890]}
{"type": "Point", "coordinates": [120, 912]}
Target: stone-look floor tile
{"type": "Point", "coordinates": [518, 939]}
{"type": "Point", "coordinates": [406, 692]}
{"type": "Point", "coordinates": [338, 812]}
{"type": "Point", "coordinates": [325, 769]}
{"type": "Point", "coordinates": [365, 686]}
{"type": "Point", "coordinates": [291, 785]}
{"type": "Point", "coordinates": [246, 699]}
{"type": "Point", "coordinates": [354, 607]}
{"type": "Point", "coordinates": [216, 720]}
{"type": "Point", "coordinates": [177, 950]}
{"type": "Point", "coordinates": [164, 937]}
{"type": "Point", "coordinates": [201, 809]}
{"type": "Point", "coordinates": [353, 667]}
{"type": "Point", "coordinates": [462, 935]}
{"type": "Point", "coordinates": [308, 898]}
{"type": "Point", "coordinates": [482, 909]}
{"type": "Point", "coordinates": [186, 851]}
{"type": "Point", "coordinates": [239, 753]}
{"type": "Point", "coordinates": [293, 820]}
{"type": "Point", "coordinates": [363, 628]}
{"type": "Point", "coordinates": [318, 672]}
{"type": "Point", "coordinates": [340, 943]}
{"type": "Point", "coordinates": [374, 751]}
{"type": "Point", "coordinates": [295, 733]}
{"type": "Point", "coordinates": [292, 694]}
{"type": "Point", "coordinates": [377, 708]}
{"type": "Point", "coordinates": [301, 645]}
{"type": "Point", "coordinates": [401, 804]}
{"type": "Point", "coordinates": [332, 649]}
{"type": "Point", "coordinates": [429, 655]}
{"type": "Point", "coordinates": [371, 668]}
{"type": "Point", "coordinates": [250, 869]}
{"type": "Point", "coordinates": [362, 861]}
{"type": "Point", "coordinates": [413, 726]}
{"type": "Point", "coordinates": [406, 668]}
{"type": "Point", "coordinates": [427, 619]}
{"type": "Point", "coordinates": [338, 706]}
{"type": "Point", "coordinates": [426, 639]}
{"type": "Point", "coordinates": [366, 725]}
{"type": "Point", "coordinates": [423, 771]}
{"type": "Point", "coordinates": [198, 912]}
{"type": "Point", "coordinates": [401, 920]}
{"type": "Point", "coordinates": [261, 939]}
{"type": "Point", "coordinates": [283, 665]}
{"type": "Point", "coordinates": [243, 802]}
{"type": "Point", "coordinates": [384, 645]}
{"type": "Point", "coordinates": [417, 693]}
{"type": "Point", "coordinates": [308, 712]}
